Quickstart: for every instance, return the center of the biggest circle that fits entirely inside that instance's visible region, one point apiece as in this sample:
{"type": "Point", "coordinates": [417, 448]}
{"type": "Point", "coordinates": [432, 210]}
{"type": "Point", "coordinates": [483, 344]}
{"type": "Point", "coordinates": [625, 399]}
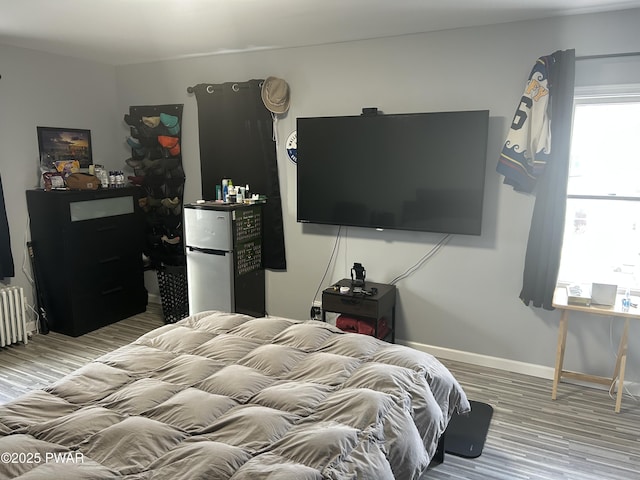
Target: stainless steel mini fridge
{"type": "Point", "coordinates": [224, 258]}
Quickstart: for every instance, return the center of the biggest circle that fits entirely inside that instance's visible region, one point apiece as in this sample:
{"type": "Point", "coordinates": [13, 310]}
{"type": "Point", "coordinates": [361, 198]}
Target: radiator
{"type": "Point", "coordinates": [13, 321]}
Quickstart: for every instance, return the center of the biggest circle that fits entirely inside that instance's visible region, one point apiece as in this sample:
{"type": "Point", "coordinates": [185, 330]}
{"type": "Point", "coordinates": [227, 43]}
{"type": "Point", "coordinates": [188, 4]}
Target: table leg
{"type": "Point", "coordinates": [562, 341]}
{"type": "Point", "coordinates": [621, 363]}
{"type": "Point", "coordinates": [393, 324]}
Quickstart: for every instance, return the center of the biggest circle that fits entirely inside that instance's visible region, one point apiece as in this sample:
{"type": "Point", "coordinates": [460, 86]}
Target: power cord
{"type": "Point", "coordinates": [420, 262]}
{"type": "Point", "coordinates": [616, 380]}
{"type": "Point", "coordinates": [24, 255]}
{"type": "Point", "coordinates": [333, 253]}
{"type": "Point", "coordinates": [27, 274]}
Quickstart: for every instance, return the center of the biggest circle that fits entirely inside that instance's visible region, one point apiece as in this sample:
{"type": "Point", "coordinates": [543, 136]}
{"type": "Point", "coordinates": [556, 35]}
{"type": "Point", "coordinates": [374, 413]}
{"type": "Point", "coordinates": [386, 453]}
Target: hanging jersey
{"type": "Point", "coordinates": [528, 144]}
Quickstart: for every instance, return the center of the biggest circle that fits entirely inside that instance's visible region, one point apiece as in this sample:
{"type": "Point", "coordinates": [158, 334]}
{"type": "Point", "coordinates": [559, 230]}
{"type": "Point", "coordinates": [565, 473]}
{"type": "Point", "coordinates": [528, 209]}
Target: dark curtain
{"type": "Point", "coordinates": [237, 142]}
{"type": "Point", "coordinates": [6, 258]}
{"type": "Point", "coordinates": [542, 260]}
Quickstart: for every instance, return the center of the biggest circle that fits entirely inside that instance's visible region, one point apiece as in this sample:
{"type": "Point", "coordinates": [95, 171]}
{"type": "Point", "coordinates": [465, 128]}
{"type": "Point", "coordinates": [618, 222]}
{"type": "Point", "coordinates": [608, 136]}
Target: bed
{"type": "Point", "coordinates": [228, 396]}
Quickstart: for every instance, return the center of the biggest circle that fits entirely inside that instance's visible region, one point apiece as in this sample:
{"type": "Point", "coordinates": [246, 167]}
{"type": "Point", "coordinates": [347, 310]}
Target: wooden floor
{"type": "Point", "coordinates": [576, 437]}
{"type": "Point", "coordinates": [47, 358]}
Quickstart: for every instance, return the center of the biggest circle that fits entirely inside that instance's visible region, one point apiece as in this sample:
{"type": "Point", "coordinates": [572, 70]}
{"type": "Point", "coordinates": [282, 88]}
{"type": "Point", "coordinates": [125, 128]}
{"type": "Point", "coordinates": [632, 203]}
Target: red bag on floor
{"type": "Point", "coordinates": [364, 327]}
{"type": "Point", "coordinates": [347, 324]}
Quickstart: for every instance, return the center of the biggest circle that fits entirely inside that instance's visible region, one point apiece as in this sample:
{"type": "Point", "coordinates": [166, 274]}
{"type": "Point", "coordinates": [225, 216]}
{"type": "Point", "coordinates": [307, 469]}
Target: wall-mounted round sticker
{"type": "Point", "coordinates": [292, 147]}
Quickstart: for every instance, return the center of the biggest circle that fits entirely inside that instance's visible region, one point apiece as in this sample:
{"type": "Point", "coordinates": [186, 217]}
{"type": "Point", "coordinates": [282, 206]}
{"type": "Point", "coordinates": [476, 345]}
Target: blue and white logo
{"type": "Point", "coordinates": [292, 147]}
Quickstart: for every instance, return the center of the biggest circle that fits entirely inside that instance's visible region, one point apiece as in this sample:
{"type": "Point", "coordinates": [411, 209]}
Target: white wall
{"type": "Point", "coordinates": [466, 297]}
{"type": "Point", "coordinates": [38, 89]}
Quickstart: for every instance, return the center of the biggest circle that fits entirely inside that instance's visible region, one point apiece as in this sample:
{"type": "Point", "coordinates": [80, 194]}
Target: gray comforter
{"type": "Point", "coordinates": [227, 396]}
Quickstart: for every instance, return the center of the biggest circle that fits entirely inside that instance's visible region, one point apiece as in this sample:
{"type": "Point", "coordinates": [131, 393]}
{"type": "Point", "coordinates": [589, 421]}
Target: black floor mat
{"type": "Point", "coordinates": [466, 434]}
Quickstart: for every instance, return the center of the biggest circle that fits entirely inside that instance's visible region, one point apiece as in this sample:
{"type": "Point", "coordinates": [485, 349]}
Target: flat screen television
{"type": "Point", "coordinates": [414, 171]}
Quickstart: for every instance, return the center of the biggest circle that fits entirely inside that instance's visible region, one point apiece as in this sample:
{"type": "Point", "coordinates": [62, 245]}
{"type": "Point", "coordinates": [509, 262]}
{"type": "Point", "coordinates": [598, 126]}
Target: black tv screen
{"type": "Point", "coordinates": [414, 171]}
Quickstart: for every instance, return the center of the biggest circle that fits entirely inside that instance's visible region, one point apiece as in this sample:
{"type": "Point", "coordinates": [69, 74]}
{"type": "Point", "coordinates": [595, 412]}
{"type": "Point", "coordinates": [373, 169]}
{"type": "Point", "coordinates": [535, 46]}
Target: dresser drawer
{"type": "Point", "coordinates": [349, 304]}
{"type": "Point", "coordinates": [96, 309]}
{"type": "Point", "coordinates": [91, 272]}
{"type": "Point", "coordinates": [81, 210]}
{"type": "Point", "coordinates": [104, 237]}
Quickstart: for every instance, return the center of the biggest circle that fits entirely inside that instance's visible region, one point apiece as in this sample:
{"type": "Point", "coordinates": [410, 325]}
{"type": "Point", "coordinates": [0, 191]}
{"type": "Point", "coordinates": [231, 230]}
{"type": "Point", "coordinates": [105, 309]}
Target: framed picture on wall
{"type": "Point", "coordinates": [64, 145]}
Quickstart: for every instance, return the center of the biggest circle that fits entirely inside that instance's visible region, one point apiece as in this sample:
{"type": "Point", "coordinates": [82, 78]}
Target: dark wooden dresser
{"type": "Point", "coordinates": [88, 256]}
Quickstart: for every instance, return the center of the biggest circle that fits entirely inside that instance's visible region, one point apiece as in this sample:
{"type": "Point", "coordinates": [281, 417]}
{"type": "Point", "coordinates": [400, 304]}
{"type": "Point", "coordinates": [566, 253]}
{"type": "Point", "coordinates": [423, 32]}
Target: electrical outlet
{"type": "Point", "coordinates": [316, 310]}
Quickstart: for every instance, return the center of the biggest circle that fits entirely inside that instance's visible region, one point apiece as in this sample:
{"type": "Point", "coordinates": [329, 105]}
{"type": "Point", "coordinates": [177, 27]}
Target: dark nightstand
{"type": "Point", "coordinates": [372, 308]}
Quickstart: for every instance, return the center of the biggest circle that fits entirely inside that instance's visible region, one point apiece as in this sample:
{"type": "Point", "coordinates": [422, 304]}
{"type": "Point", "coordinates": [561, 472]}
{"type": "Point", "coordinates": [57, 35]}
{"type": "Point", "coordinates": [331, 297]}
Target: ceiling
{"type": "Point", "coordinates": [120, 32]}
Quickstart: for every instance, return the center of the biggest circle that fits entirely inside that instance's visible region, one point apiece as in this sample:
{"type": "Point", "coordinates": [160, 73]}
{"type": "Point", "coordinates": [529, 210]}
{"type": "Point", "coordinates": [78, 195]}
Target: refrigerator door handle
{"type": "Point", "coordinates": [210, 251]}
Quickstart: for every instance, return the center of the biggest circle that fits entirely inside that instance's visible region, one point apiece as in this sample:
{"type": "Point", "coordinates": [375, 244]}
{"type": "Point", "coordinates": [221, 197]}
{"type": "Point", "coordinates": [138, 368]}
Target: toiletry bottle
{"type": "Point", "coordinates": [225, 189]}
{"type": "Point", "coordinates": [626, 301]}
{"type": "Point", "coordinates": [231, 197]}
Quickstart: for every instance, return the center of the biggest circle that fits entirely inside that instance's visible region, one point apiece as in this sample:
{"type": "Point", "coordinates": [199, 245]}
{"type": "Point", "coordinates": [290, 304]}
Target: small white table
{"type": "Point", "coordinates": [560, 302]}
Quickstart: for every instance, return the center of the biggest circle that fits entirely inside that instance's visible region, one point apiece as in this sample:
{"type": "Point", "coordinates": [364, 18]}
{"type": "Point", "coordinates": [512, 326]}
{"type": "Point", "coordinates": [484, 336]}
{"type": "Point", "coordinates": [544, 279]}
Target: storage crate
{"type": "Point", "coordinates": [172, 280]}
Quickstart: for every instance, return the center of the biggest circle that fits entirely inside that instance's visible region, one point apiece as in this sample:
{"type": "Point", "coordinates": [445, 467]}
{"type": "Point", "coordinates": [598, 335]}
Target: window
{"type": "Point", "coordinates": [602, 229]}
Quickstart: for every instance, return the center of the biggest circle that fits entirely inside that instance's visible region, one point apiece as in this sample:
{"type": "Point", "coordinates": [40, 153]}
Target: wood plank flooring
{"type": "Point", "coordinates": [576, 437]}
{"type": "Point", "coordinates": [531, 437]}
{"type": "Point", "coordinates": [46, 358]}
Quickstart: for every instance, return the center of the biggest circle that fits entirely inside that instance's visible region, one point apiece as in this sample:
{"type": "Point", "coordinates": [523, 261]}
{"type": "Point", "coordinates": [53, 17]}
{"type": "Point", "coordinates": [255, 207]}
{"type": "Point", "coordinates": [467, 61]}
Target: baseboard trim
{"type": "Point", "coordinates": [483, 360]}
{"type": "Point", "coordinates": [540, 371]}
